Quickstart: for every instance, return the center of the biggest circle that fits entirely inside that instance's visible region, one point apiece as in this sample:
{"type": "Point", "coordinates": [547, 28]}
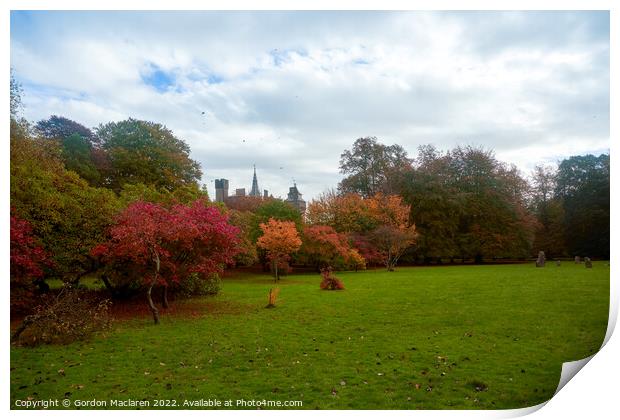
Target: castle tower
{"type": "Point", "coordinates": [295, 200]}
{"type": "Point", "coordinates": [221, 190]}
{"type": "Point", "coordinates": [255, 191]}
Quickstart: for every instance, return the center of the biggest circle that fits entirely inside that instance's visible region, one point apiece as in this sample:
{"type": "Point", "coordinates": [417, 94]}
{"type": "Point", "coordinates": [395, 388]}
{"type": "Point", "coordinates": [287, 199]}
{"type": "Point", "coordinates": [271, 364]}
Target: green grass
{"type": "Point", "coordinates": [419, 338]}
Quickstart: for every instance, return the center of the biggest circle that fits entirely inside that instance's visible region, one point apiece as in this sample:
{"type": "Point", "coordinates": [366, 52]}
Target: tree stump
{"type": "Point", "coordinates": [558, 263]}
{"type": "Point", "coordinates": [273, 295]}
{"type": "Point", "coordinates": [588, 262]}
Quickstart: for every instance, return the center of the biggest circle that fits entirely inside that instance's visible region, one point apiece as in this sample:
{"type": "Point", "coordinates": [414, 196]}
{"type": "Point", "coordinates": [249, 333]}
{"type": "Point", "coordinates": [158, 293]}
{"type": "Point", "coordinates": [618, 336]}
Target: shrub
{"type": "Point", "coordinates": [69, 316]}
{"type": "Point", "coordinates": [330, 282]}
{"type": "Point", "coordinates": [197, 285]}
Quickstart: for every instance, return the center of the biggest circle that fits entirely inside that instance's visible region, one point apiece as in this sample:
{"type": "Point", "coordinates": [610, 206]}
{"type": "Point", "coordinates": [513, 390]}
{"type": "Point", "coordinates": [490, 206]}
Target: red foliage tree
{"type": "Point", "coordinates": [323, 246]}
{"type": "Point", "coordinates": [28, 259]}
{"type": "Point", "coordinates": [167, 245]}
{"type": "Point", "coordinates": [371, 254]}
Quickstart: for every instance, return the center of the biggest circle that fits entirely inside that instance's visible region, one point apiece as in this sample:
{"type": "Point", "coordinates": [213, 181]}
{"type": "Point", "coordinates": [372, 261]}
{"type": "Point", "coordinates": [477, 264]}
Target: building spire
{"type": "Point", "coordinates": [255, 192]}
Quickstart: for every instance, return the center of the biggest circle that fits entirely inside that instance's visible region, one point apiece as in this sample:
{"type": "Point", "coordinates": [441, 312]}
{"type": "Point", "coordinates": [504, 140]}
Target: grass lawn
{"type": "Point", "coordinates": [492, 336]}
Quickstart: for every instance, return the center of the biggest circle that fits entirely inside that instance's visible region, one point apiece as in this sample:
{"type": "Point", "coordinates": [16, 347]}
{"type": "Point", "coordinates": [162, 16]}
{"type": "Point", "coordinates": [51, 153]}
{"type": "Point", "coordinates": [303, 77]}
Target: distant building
{"type": "Point", "coordinates": [221, 190]}
{"type": "Point", "coordinates": [255, 191]}
{"type": "Point", "coordinates": [294, 199]}
{"type": "Point", "coordinates": [221, 193]}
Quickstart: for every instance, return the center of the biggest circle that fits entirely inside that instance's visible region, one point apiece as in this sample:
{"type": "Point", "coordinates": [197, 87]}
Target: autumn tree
{"type": "Point", "coordinates": [371, 166]}
{"type": "Point", "coordinates": [346, 213]}
{"type": "Point", "coordinates": [392, 242]}
{"type": "Point", "coordinates": [28, 261]}
{"type": "Point", "coordinates": [272, 209]}
{"type": "Point", "coordinates": [465, 203]}
{"type": "Point", "coordinates": [247, 255]}
{"type": "Point", "coordinates": [59, 128]}
{"type": "Point", "coordinates": [363, 218]}
{"type": "Point", "coordinates": [394, 233]}
{"type": "Point", "coordinates": [280, 239]}
{"type": "Point", "coordinates": [148, 153]}
{"type": "Point", "coordinates": [165, 246]}
{"type": "Point", "coordinates": [323, 247]}
{"type": "Point", "coordinates": [67, 215]}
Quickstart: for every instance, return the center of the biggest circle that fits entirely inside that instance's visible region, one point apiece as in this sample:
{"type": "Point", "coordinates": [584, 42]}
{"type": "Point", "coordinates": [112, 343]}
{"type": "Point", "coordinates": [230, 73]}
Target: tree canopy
{"type": "Point", "coordinates": [370, 165]}
{"type": "Point", "coordinates": [145, 152]}
{"type": "Point", "coordinates": [583, 187]}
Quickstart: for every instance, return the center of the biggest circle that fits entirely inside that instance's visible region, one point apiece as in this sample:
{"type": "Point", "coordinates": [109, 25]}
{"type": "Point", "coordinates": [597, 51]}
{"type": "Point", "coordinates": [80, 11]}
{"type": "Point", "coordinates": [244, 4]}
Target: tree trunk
{"type": "Point", "coordinates": [277, 274]}
{"type": "Point", "coordinates": [108, 285]}
{"type": "Point", "coordinates": [148, 292]}
{"type": "Point", "coordinates": [165, 297]}
{"type": "Point", "coordinates": [22, 327]}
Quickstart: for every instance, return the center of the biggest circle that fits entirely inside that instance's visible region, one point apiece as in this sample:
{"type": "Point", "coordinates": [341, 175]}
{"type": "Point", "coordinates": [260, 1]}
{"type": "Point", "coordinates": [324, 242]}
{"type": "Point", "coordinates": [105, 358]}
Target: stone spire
{"type": "Point", "coordinates": [255, 192]}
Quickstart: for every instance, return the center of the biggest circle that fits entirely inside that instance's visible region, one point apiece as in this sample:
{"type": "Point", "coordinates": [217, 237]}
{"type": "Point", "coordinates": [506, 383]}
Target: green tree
{"type": "Point", "coordinates": [494, 221]}
{"type": "Point", "coordinates": [371, 167]}
{"type": "Point", "coordinates": [78, 145]}
{"type": "Point", "coordinates": [66, 214]}
{"type": "Point", "coordinates": [436, 204]}
{"type": "Point", "coordinates": [247, 255]}
{"type": "Point", "coordinates": [185, 194]}
{"type": "Point", "coordinates": [467, 204]}
{"type": "Point", "coordinates": [583, 187]}
{"type": "Point", "coordinates": [148, 153]}
{"type": "Point", "coordinates": [549, 234]}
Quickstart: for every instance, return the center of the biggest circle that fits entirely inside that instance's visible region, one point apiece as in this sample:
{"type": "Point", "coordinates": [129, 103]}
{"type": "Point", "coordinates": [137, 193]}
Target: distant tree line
{"type": "Point", "coordinates": [466, 204]}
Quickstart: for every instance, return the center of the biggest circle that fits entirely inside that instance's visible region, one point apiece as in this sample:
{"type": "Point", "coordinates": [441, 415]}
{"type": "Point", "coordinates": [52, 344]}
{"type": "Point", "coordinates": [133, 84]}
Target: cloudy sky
{"type": "Point", "coordinates": [289, 91]}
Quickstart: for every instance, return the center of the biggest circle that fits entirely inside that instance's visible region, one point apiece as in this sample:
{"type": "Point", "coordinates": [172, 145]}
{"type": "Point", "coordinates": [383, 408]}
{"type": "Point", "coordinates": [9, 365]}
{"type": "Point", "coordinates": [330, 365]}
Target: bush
{"type": "Point", "coordinates": [196, 285]}
{"type": "Point", "coordinates": [330, 282]}
{"type": "Point", "coordinates": [69, 316]}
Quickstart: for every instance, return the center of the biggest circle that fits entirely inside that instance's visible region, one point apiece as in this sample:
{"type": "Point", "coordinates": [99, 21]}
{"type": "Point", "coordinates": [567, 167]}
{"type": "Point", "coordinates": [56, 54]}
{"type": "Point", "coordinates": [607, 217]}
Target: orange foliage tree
{"type": "Point", "coordinates": [323, 247]}
{"type": "Point", "coordinates": [394, 233]}
{"type": "Point", "coordinates": [280, 239]}
{"type": "Point", "coordinates": [379, 225]}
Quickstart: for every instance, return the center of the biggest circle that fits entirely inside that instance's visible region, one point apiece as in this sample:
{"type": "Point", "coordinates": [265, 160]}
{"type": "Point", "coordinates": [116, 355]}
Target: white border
{"type": "Point", "coordinates": [591, 393]}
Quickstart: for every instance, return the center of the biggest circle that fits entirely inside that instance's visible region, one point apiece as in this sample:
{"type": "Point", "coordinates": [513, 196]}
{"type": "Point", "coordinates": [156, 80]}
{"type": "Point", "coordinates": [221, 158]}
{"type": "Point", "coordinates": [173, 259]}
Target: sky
{"type": "Point", "coordinates": [290, 91]}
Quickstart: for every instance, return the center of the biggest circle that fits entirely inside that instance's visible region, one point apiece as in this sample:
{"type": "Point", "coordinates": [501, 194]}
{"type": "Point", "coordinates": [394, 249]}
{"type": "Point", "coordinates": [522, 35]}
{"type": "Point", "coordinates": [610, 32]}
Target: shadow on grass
{"type": "Point", "coordinates": [189, 308]}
